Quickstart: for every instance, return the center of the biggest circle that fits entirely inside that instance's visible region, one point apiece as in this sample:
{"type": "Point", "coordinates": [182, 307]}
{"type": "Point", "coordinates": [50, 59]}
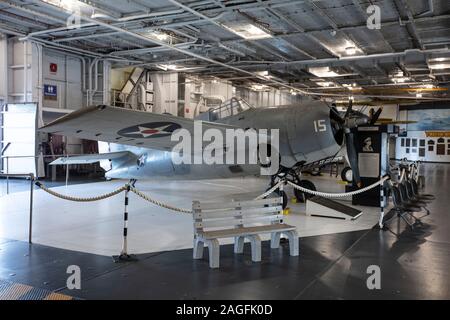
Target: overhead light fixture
{"type": "Point", "coordinates": [326, 84]}
{"type": "Point", "coordinates": [418, 95]}
{"type": "Point", "coordinates": [400, 79]}
{"type": "Point", "coordinates": [323, 72]}
{"type": "Point", "coordinates": [102, 16]}
{"type": "Point", "coordinates": [351, 98]}
{"type": "Point", "coordinates": [439, 66]}
{"type": "Point", "coordinates": [167, 67]}
{"type": "Point", "coordinates": [258, 87]}
{"type": "Point", "coordinates": [248, 31]}
{"type": "Point", "coordinates": [158, 35]}
{"type": "Point", "coordinates": [294, 92]}
{"type": "Point", "coordinates": [438, 59]}
{"type": "Point", "coordinates": [350, 51]}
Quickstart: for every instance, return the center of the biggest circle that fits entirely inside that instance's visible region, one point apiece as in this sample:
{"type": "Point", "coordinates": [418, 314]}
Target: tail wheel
{"type": "Point", "coordinates": [347, 174]}
{"type": "Point", "coordinates": [302, 196]}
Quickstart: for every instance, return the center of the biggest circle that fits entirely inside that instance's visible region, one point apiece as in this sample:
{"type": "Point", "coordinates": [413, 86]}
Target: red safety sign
{"type": "Point", "coordinates": [53, 68]}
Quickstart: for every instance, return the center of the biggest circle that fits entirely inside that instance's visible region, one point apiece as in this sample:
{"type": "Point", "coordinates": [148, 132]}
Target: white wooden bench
{"type": "Point", "coordinates": [240, 220]}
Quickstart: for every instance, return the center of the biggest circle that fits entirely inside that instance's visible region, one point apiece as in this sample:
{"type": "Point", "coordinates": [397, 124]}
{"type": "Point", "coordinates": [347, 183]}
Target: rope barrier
{"type": "Point", "coordinates": [188, 211]}
{"type": "Point", "coordinates": [339, 195]}
{"type": "Point", "coordinates": [270, 191]}
{"type": "Point", "coordinates": [159, 203]}
{"type": "Point", "coordinates": [77, 199]}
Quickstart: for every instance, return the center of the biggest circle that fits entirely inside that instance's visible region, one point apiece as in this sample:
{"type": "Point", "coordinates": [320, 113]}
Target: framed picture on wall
{"type": "Point", "coordinates": [422, 152]}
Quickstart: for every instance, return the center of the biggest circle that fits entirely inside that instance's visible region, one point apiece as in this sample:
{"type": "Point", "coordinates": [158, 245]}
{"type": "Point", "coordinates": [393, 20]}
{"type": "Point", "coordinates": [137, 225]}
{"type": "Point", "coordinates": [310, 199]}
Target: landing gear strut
{"type": "Point", "coordinates": [278, 192]}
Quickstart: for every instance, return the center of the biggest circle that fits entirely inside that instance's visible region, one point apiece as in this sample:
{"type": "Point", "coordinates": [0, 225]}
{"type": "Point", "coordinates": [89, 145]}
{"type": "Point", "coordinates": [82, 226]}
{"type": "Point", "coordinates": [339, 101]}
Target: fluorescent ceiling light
{"type": "Point", "coordinates": [258, 87]}
{"type": "Point", "coordinates": [350, 51]}
{"type": "Point", "coordinates": [66, 4]}
{"type": "Point", "coordinates": [438, 59]}
{"type": "Point", "coordinates": [248, 31]}
{"type": "Point", "coordinates": [439, 66]}
{"type": "Point", "coordinates": [166, 67]}
{"type": "Point", "coordinates": [323, 72]}
{"type": "Point", "coordinates": [326, 84]}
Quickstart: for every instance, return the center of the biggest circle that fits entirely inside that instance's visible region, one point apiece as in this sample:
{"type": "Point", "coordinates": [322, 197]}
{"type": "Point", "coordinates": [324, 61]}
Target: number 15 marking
{"type": "Point", "coordinates": [320, 126]}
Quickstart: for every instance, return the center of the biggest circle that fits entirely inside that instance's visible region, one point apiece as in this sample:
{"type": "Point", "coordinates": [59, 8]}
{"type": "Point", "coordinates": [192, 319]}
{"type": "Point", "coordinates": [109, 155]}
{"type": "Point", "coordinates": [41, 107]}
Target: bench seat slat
{"type": "Point", "coordinates": [235, 204]}
{"type": "Point", "coordinates": [233, 221]}
{"type": "Point", "coordinates": [230, 233]}
{"type": "Point", "coordinates": [232, 212]}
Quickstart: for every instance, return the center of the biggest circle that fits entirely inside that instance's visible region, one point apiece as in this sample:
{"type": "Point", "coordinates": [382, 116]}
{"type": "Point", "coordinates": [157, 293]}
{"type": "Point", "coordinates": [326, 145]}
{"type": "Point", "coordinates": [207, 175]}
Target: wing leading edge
{"type": "Point", "coordinates": [128, 127]}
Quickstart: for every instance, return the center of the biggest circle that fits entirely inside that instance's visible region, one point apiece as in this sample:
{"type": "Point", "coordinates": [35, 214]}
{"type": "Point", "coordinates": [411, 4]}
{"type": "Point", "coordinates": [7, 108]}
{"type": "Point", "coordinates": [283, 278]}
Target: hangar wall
{"type": "Point", "coordinates": [432, 142]}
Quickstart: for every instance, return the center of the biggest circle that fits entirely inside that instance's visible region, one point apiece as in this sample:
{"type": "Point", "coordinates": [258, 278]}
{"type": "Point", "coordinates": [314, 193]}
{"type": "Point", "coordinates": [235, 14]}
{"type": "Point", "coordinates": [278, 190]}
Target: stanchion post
{"type": "Point", "coordinates": [382, 205]}
{"type": "Point", "coordinates": [30, 230]}
{"type": "Point", "coordinates": [124, 256]}
{"type": "Point", "coordinates": [7, 175]}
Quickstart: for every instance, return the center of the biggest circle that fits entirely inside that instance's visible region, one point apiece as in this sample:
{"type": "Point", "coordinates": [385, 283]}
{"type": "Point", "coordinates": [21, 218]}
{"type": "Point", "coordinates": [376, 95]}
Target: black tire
{"type": "Point", "coordinates": [344, 174]}
{"type": "Point", "coordinates": [302, 196]}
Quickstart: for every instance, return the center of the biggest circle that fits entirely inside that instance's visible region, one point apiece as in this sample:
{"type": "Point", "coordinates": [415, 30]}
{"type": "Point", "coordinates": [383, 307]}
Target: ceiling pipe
{"type": "Point", "coordinates": [343, 60]}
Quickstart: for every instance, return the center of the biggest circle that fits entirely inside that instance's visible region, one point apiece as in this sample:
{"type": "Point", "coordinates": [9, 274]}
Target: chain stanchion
{"type": "Point", "coordinates": [124, 256]}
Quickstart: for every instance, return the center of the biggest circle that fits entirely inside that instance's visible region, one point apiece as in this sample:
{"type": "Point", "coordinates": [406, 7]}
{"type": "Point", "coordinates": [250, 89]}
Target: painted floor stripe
{"type": "Point", "coordinates": [17, 291]}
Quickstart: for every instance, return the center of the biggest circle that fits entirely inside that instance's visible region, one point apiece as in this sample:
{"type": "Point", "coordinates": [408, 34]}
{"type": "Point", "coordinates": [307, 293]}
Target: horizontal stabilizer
{"type": "Point", "coordinates": [92, 158]}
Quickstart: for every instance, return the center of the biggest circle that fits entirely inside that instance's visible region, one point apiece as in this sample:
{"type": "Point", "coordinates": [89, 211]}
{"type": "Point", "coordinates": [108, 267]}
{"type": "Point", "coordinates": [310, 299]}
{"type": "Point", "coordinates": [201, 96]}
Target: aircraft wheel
{"type": "Point", "coordinates": [346, 174]}
{"type": "Point", "coordinates": [302, 196]}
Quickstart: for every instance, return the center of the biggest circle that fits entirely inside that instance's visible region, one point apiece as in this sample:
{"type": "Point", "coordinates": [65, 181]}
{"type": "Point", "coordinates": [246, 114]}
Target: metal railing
{"type": "Point", "coordinates": [32, 179]}
{"type": "Point", "coordinates": [7, 174]}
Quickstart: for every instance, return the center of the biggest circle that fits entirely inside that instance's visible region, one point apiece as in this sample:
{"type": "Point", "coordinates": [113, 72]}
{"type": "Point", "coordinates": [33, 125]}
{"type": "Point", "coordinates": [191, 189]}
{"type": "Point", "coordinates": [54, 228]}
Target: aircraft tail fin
{"type": "Point", "coordinates": [92, 158]}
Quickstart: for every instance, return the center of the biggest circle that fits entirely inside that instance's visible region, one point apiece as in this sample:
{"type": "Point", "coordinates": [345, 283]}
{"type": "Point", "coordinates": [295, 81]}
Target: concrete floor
{"type": "Point", "coordinates": [96, 227]}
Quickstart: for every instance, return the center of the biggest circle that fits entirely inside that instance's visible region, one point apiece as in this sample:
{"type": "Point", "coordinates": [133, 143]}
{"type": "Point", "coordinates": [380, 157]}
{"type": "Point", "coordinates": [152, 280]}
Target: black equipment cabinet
{"type": "Point", "coordinates": [372, 147]}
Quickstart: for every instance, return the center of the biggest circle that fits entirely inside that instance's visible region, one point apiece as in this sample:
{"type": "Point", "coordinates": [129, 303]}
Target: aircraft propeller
{"type": "Point", "coordinates": [345, 123]}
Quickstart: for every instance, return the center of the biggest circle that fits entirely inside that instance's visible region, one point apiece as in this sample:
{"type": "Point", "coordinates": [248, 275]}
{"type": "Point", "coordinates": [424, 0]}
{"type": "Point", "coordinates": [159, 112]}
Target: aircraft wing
{"type": "Point", "coordinates": [123, 126]}
{"type": "Point", "coordinates": [92, 158]}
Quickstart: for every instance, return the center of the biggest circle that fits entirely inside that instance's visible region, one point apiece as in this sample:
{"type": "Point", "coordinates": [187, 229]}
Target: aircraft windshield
{"type": "Point", "coordinates": [229, 108]}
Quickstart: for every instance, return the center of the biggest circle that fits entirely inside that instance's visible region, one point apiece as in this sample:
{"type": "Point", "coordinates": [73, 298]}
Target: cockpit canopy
{"type": "Point", "coordinates": [227, 109]}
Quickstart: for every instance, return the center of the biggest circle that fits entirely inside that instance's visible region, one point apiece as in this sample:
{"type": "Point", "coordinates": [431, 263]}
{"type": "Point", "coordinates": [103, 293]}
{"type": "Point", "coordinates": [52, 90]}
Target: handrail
{"type": "Point", "coordinates": [32, 179]}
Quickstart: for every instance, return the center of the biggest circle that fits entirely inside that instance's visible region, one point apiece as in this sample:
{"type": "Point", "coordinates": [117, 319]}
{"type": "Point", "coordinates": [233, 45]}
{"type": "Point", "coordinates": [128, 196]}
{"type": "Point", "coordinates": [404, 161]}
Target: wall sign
{"type": "Point", "coordinates": [50, 92]}
{"type": "Point", "coordinates": [437, 134]}
{"type": "Point", "coordinates": [53, 68]}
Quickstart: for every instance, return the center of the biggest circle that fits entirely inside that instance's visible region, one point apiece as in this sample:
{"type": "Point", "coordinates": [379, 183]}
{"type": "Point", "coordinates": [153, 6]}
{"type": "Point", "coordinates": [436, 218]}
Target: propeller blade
{"type": "Point", "coordinates": [376, 116]}
{"type": "Point", "coordinates": [349, 109]}
{"type": "Point", "coordinates": [353, 158]}
{"type": "Point", "coordinates": [336, 116]}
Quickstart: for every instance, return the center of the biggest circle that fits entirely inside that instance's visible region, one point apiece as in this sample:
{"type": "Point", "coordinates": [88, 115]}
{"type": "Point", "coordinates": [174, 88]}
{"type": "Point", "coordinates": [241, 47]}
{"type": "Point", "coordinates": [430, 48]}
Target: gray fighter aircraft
{"type": "Point", "coordinates": [311, 134]}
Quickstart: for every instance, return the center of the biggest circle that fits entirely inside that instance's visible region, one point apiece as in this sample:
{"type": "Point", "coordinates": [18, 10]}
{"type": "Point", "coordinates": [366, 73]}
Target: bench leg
{"type": "Point", "coordinates": [293, 243]}
{"type": "Point", "coordinates": [275, 240]}
{"type": "Point", "coordinates": [214, 253]}
{"type": "Point", "coordinates": [255, 242]}
{"type": "Point", "coordinates": [198, 248]}
{"type": "Point", "coordinates": [239, 244]}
